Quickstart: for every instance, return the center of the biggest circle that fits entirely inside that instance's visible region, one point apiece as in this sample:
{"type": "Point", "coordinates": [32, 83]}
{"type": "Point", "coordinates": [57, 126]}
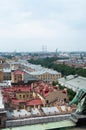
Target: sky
{"type": "Point", "coordinates": [34, 25]}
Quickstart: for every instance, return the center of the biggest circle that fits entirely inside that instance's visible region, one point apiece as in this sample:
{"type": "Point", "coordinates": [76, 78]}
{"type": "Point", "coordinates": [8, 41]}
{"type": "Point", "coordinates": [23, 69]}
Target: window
{"type": "Point", "coordinates": [20, 96]}
{"type": "Point", "coordinates": [23, 96]}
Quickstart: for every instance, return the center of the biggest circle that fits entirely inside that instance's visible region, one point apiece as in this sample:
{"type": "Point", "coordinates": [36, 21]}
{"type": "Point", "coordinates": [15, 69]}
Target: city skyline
{"type": "Point", "coordinates": [29, 25]}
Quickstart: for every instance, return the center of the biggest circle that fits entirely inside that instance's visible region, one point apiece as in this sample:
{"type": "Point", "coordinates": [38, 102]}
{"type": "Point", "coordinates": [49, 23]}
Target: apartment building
{"type": "Point", "coordinates": [47, 75]}
{"type": "Point", "coordinates": [37, 71]}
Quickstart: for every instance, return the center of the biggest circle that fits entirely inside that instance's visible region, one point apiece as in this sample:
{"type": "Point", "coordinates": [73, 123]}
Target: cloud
{"type": "Point", "coordinates": [59, 22]}
{"type": "Point", "coordinates": [27, 30]}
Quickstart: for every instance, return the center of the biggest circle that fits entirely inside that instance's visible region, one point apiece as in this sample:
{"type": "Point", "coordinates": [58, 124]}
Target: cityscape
{"type": "Point", "coordinates": [43, 65]}
{"type": "Point", "coordinates": [33, 92]}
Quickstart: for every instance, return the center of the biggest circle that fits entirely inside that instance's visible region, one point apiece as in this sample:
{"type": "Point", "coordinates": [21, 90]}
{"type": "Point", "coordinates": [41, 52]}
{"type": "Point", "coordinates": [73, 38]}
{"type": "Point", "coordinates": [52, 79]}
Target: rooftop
{"type": "Point", "coordinates": [51, 125]}
{"type": "Point", "coordinates": [43, 70]}
{"type": "Point", "coordinates": [34, 102]}
{"type": "Point", "coordinates": [75, 82]}
{"type": "Point", "coordinates": [20, 72]}
{"type": "Point", "coordinates": [7, 70]}
{"type": "Point", "coordinates": [37, 69]}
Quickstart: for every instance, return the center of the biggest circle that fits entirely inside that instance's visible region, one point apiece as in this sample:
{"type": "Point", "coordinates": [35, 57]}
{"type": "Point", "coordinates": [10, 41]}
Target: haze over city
{"type": "Point", "coordinates": [27, 25]}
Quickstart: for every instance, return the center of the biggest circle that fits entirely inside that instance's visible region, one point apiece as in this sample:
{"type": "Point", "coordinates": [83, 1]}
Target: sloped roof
{"type": "Point", "coordinates": [43, 71]}
{"type": "Point", "coordinates": [34, 102]}
{"type": "Point", "coordinates": [15, 101]}
{"type": "Point", "coordinates": [52, 96]}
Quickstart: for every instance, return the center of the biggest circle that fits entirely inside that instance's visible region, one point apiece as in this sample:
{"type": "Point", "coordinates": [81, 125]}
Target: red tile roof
{"type": "Point", "coordinates": [34, 102]}
{"type": "Point", "coordinates": [17, 89]}
{"type": "Point", "coordinates": [6, 99]}
{"type": "Point", "coordinates": [14, 101]}
{"type": "Point", "coordinates": [45, 90]}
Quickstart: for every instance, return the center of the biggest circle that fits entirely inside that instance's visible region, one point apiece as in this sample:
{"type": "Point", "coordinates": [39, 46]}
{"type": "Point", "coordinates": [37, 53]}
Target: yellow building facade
{"type": "Point", "coordinates": [1, 76]}
{"type": "Point", "coordinates": [48, 77]}
{"type": "Point", "coordinates": [24, 95]}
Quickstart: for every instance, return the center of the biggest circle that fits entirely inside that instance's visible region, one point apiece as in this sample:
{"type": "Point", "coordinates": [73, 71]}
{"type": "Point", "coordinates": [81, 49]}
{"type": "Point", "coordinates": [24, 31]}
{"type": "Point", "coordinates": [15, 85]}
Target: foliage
{"type": "Point", "coordinates": [54, 83]}
{"type": "Point", "coordinates": [46, 62]}
{"type": "Point", "coordinates": [64, 69]}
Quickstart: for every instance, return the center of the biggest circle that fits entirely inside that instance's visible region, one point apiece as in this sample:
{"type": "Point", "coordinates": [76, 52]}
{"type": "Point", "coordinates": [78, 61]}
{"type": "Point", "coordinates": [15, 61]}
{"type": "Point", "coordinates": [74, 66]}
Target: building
{"type": "Point", "coordinates": [47, 75]}
{"type": "Point", "coordinates": [1, 76]}
{"type": "Point", "coordinates": [2, 60]}
{"type": "Point", "coordinates": [36, 103]}
{"type": "Point", "coordinates": [36, 71]}
{"type": "Point", "coordinates": [21, 97]}
{"type": "Point", "coordinates": [7, 73]}
{"type": "Point", "coordinates": [57, 98]}
{"type": "Point", "coordinates": [37, 95]}
{"type": "Point", "coordinates": [2, 112]}
{"type": "Point", "coordinates": [17, 76]}
{"type": "Point", "coordinates": [73, 82]}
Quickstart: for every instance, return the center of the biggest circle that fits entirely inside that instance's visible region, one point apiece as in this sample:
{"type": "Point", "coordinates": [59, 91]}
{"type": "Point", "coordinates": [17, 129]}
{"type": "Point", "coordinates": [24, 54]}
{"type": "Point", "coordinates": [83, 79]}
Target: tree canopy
{"type": "Point", "coordinates": [64, 69]}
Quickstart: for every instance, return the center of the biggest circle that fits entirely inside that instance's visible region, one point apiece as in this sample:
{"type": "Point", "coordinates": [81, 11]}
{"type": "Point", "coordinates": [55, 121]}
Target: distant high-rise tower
{"type": "Point", "coordinates": [56, 52]}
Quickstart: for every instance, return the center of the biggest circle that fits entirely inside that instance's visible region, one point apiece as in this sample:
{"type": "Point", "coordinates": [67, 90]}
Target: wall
{"type": "Point", "coordinates": [36, 120]}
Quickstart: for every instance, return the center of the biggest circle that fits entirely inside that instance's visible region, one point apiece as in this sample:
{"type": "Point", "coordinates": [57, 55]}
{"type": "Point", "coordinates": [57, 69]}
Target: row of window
{"type": "Point", "coordinates": [25, 96]}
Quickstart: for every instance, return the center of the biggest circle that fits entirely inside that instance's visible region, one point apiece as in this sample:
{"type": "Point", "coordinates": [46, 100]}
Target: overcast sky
{"type": "Point", "coordinates": [30, 25]}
